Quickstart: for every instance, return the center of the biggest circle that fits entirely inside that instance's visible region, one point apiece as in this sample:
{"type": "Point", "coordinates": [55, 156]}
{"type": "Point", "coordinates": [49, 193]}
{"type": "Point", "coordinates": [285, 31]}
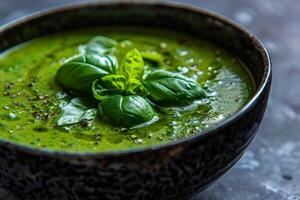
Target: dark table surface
{"type": "Point", "coordinates": [270, 169]}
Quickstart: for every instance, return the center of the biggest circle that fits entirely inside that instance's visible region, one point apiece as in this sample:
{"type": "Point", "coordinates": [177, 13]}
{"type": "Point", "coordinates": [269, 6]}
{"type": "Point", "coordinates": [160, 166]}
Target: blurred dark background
{"type": "Point", "coordinates": [270, 169]}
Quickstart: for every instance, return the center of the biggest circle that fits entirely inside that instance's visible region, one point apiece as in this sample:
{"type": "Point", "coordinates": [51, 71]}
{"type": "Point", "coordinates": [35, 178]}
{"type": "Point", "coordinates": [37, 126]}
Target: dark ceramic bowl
{"type": "Point", "coordinates": [171, 171]}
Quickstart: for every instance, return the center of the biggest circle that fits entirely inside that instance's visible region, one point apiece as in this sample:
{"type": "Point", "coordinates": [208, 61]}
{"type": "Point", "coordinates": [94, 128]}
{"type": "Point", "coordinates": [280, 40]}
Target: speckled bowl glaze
{"type": "Point", "coordinates": [171, 171]}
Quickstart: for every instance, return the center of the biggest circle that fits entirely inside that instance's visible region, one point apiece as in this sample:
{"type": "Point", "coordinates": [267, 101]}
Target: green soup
{"type": "Point", "coordinates": [30, 96]}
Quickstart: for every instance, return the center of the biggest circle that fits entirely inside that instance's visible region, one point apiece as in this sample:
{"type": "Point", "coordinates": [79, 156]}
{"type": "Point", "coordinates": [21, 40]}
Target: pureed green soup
{"type": "Point", "coordinates": [32, 100]}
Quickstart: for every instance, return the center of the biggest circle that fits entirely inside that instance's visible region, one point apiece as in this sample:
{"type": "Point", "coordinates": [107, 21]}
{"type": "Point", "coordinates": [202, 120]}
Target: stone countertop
{"type": "Point", "coordinates": [270, 169]}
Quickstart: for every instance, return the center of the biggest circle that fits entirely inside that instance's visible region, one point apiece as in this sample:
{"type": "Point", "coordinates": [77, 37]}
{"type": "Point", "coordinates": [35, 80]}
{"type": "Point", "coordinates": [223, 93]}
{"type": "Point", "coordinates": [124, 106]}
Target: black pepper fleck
{"type": "Point", "coordinates": [6, 93]}
{"type": "Point", "coordinates": [287, 177]}
{"type": "Point", "coordinates": [98, 137]}
{"type": "Point", "coordinates": [85, 123]}
{"type": "Point", "coordinates": [13, 96]}
{"type": "Point", "coordinates": [9, 85]}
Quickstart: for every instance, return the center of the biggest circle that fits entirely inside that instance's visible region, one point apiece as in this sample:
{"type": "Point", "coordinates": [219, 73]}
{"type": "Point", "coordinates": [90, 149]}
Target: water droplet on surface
{"type": "Point", "coordinates": [60, 95]}
{"type": "Point", "coordinates": [173, 123]}
{"type": "Point", "coordinates": [194, 77]}
{"type": "Point", "coordinates": [139, 141]}
{"type": "Point", "coordinates": [199, 73]}
{"type": "Point", "coordinates": [183, 70]}
{"type": "Point", "coordinates": [12, 116]}
{"type": "Point", "coordinates": [190, 61]}
{"type": "Point", "coordinates": [182, 52]}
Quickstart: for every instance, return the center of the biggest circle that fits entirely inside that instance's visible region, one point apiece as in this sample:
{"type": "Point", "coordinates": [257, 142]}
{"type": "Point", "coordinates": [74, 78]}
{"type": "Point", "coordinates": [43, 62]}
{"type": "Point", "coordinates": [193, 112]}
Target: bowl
{"type": "Point", "coordinates": [176, 170]}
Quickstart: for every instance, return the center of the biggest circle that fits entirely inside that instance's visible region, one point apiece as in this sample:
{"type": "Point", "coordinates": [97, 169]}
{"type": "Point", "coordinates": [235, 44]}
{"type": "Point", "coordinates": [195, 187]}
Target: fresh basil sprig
{"type": "Point", "coordinates": [117, 84]}
{"type": "Point", "coordinates": [127, 81]}
{"type": "Point", "coordinates": [123, 92]}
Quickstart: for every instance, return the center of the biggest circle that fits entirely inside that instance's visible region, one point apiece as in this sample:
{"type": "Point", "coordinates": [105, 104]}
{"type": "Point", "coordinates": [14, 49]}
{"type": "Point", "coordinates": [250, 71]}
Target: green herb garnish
{"type": "Point", "coordinates": [79, 73]}
{"type": "Point", "coordinates": [127, 111]}
{"type": "Point", "coordinates": [170, 88]}
{"type": "Point", "coordinates": [124, 95]}
{"type": "Point", "coordinates": [77, 110]}
{"type": "Point", "coordinates": [99, 45]}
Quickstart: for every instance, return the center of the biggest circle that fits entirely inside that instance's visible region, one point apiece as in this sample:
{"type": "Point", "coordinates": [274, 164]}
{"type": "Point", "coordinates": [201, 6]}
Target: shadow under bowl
{"type": "Point", "coordinates": [175, 170]}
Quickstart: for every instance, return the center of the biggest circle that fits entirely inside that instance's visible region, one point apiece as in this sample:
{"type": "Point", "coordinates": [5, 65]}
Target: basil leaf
{"type": "Point", "coordinates": [114, 81]}
{"type": "Point", "coordinates": [99, 45]}
{"type": "Point", "coordinates": [134, 86]}
{"type": "Point", "coordinates": [99, 91]}
{"type": "Point", "coordinates": [78, 73]}
{"type": "Point", "coordinates": [169, 88]}
{"type": "Point", "coordinates": [133, 65]}
{"type": "Point", "coordinates": [127, 111]}
{"type": "Point", "coordinates": [108, 85]}
{"type": "Point", "coordinates": [117, 84]}
{"type": "Point", "coordinates": [77, 110]}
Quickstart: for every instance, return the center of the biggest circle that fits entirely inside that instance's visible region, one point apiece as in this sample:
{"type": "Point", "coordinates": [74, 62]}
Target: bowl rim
{"type": "Point", "coordinates": [267, 76]}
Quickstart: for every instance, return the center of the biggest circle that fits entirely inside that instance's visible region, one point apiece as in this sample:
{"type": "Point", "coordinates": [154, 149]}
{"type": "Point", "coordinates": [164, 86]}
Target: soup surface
{"type": "Point", "coordinates": [30, 97]}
